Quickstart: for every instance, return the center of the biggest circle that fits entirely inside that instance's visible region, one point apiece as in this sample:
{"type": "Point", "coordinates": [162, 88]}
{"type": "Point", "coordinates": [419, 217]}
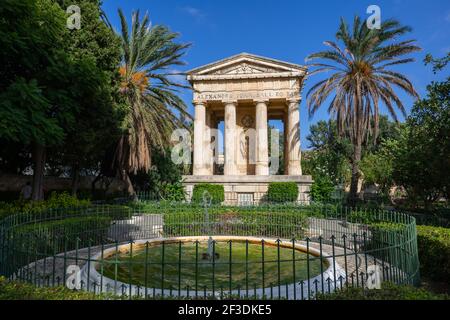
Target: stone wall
{"type": "Point", "coordinates": [256, 186]}
{"type": "Point", "coordinates": [14, 183]}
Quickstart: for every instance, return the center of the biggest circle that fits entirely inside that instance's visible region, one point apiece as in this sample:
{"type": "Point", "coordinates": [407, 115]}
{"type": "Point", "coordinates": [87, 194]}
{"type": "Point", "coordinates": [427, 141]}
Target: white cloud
{"type": "Point", "coordinates": [194, 12]}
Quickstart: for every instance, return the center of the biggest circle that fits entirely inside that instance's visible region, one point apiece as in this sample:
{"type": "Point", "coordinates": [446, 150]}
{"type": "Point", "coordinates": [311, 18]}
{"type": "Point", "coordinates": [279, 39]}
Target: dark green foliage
{"type": "Point", "coordinates": [163, 181]}
{"type": "Point", "coordinates": [388, 291]}
{"type": "Point", "coordinates": [24, 291]}
{"type": "Point", "coordinates": [51, 79]}
{"type": "Point", "coordinates": [422, 154]}
{"type": "Point", "coordinates": [31, 35]}
{"type": "Point", "coordinates": [386, 240]}
{"type": "Point", "coordinates": [322, 189]}
{"type": "Point", "coordinates": [329, 155]}
{"type": "Point", "coordinates": [216, 193]}
{"type": "Point", "coordinates": [173, 191]}
{"type": "Point", "coordinates": [46, 237]}
{"type": "Point", "coordinates": [282, 192]}
{"type": "Point", "coordinates": [55, 201]}
{"type": "Point", "coordinates": [438, 63]}
{"type": "Point", "coordinates": [434, 252]}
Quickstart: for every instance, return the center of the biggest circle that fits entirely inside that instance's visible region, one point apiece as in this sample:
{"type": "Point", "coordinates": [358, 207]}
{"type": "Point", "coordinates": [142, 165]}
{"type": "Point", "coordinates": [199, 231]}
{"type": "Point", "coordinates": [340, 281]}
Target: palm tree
{"type": "Point", "coordinates": [153, 109]}
{"type": "Point", "coordinates": [359, 78]}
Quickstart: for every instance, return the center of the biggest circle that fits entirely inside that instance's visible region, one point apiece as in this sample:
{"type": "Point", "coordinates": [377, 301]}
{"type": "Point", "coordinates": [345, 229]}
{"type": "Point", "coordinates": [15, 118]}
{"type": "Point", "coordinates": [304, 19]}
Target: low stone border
{"type": "Point", "coordinates": [331, 279]}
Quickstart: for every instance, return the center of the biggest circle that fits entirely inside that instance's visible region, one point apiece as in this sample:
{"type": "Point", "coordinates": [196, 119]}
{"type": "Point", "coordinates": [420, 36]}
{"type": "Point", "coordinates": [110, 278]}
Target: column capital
{"type": "Point", "coordinates": [262, 100]}
{"type": "Point", "coordinates": [233, 102]}
{"type": "Point", "coordinates": [293, 100]}
{"type": "Point", "coordinates": [197, 102]}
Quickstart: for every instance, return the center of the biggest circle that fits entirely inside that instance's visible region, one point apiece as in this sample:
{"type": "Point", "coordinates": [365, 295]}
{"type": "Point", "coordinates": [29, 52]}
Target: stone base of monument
{"type": "Point", "coordinates": [246, 189]}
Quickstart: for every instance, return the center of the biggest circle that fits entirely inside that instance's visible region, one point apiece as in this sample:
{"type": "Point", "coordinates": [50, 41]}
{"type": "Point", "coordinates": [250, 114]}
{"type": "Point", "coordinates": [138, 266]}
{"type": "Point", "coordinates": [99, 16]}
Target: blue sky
{"type": "Point", "coordinates": [288, 30]}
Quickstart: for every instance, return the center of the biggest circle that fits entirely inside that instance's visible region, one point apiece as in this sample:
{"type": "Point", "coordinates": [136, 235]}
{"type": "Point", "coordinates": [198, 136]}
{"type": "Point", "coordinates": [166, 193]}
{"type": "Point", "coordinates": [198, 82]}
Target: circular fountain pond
{"type": "Point", "coordinates": [184, 263]}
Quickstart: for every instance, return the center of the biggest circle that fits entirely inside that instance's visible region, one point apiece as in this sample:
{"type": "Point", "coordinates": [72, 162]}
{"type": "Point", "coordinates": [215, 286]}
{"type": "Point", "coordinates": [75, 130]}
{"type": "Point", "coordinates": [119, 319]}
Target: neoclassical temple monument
{"type": "Point", "coordinates": [245, 92]}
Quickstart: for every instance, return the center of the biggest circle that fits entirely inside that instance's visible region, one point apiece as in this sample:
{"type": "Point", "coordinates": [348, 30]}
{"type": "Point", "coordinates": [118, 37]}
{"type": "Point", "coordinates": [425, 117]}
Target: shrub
{"type": "Point", "coordinates": [216, 192]}
{"type": "Point", "coordinates": [163, 173]}
{"type": "Point", "coordinates": [25, 291]}
{"type": "Point", "coordinates": [173, 191]}
{"type": "Point", "coordinates": [61, 235]}
{"type": "Point", "coordinates": [388, 291]}
{"type": "Point", "coordinates": [434, 252]}
{"type": "Point", "coordinates": [282, 192]}
{"type": "Point", "coordinates": [261, 221]}
{"type": "Point", "coordinates": [321, 189]}
{"type": "Point", "coordinates": [55, 201]}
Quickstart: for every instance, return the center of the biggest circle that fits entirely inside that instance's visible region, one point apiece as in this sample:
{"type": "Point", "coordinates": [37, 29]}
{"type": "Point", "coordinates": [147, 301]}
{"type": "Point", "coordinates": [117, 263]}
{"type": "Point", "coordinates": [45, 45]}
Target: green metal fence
{"type": "Point", "coordinates": [159, 250]}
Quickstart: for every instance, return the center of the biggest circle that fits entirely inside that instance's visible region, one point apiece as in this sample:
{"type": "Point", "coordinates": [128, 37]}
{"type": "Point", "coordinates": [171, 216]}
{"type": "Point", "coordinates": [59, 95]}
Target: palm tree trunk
{"type": "Point", "coordinates": [128, 184]}
{"type": "Point", "coordinates": [353, 196]}
{"type": "Point", "coordinates": [38, 172]}
{"type": "Point", "coordinates": [75, 179]}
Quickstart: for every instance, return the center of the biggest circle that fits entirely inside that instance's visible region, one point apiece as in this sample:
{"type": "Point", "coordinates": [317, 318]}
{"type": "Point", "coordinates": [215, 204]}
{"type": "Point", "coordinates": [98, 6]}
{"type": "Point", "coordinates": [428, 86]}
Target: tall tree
{"type": "Point", "coordinates": [31, 38]}
{"type": "Point", "coordinates": [153, 108]}
{"type": "Point", "coordinates": [51, 77]}
{"type": "Point", "coordinates": [359, 77]}
{"type": "Point", "coordinates": [330, 152]}
{"type": "Point", "coordinates": [87, 141]}
{"type": "Point", "coordinates": [422, 153]}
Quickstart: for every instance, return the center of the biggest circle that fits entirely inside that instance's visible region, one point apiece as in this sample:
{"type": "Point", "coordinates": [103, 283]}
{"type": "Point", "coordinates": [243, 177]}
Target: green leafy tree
{"type": "Point", "coordinates": [163, 179]}
{"type": "Point", "coordinates": [87, 141]}
{"type": "Point", "coordinates": [48, 96]}
{"type": "Point", "coordinates": [32, 108]}
{"type": "Point", "coordinates": [377, 167]}
{"type": "Point", "coordinates": [422, 154]}
{"type": "Point", "coordinates": [329, 154]}
{"type": "Point", "coordinates": [322, 189]}
{"type": "Point", "coordinates": [438, 63]}
{"type": "Point", "coordinates": [359, 76]}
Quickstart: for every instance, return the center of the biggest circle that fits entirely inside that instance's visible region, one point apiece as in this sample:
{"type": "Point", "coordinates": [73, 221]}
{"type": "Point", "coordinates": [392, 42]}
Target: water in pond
{"type": "Point", "coordinates": [186, 265]}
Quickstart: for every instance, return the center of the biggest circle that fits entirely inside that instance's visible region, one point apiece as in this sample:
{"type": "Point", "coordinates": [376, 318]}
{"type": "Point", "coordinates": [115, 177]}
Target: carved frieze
{"type": "Point", "coordinates": [246, 68]}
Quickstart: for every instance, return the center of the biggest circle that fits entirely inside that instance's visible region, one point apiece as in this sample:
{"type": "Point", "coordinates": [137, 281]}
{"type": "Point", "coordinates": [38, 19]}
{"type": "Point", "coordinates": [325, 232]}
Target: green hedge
{"type": "Point", "coordinates": [388, 291]}
{"type": "Point", "coordinates": [321, 189]}
{"type": "Point", "coordinates": [434, 252]}
{"type": "Point", "coordinates": [216, 192]}
{"type": "Point", "coordinates": [240, 221]}
{"type": "Point", "coordinates": [282, 192]}
{"type": "Point", "coordinates": [48, 236]}
{"type": "Point", "coordinates": [25, 291]}
{"type": "Point", "coordinates": [55, 201]}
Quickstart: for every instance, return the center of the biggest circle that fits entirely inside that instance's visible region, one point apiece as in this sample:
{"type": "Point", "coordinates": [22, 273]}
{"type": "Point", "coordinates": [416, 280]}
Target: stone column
{"type": "Point", "coordinates": [207, 146]}
{"type": "Point", "coordinates": [294, 157]}
{"type": "Point", "coordinates": [215, 135]}
{"type": "Point", "coordinates": [199, 132]}
{"type": "Point", "coordinates": [262, 139]}
{"type": "Point", "coordinates": [230, 167]}
{"type": "Point", "coordinates": [285, 142]}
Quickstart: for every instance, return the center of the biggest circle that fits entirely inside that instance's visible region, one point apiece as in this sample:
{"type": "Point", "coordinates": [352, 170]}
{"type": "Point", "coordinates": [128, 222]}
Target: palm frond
{"type": "Point", "coordinates": [154, 109]}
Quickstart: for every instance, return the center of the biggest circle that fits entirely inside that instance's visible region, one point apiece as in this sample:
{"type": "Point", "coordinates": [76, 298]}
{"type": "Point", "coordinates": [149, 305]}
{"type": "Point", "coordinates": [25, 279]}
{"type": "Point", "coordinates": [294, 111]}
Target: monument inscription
{"type": "Point", "coordinates": [247, 95]}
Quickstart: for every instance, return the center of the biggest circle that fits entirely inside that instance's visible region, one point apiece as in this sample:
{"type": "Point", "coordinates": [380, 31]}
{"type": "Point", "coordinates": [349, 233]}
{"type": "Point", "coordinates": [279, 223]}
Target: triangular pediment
{"type": "Point", "coordinates": [245, 63]}
{"type": "Point", "coordinates": [245, 67]}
